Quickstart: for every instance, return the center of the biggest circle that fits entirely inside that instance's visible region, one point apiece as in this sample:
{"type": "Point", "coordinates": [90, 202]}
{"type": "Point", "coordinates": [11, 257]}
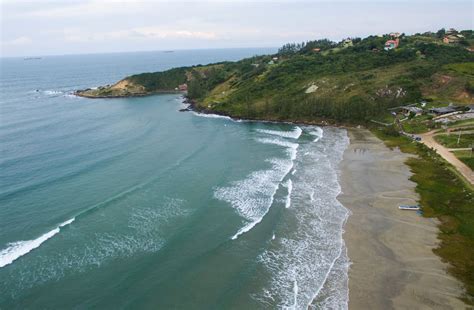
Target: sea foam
{"type": "Point", "coordinates": [253, 196]}
{"type": "Point", "coordinates": [294, 134]}
{"type": "Point", "coordinates": [317, 132]}
{"type": "Point", "coordinates": [289, 186]}
{"type": "Point", "coordinates": [308, 260]}
{"type": "Point", "coordinates": [212, 116]}
{"type": "Point", "coordinates": [52, 92]}
{"type": "Point", "coordinates": [17, 249]}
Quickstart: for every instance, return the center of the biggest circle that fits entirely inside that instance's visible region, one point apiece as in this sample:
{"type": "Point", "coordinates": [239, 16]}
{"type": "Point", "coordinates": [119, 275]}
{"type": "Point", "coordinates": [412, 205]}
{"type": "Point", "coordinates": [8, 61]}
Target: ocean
{"type": "Point", "coordinates": [129, 203]}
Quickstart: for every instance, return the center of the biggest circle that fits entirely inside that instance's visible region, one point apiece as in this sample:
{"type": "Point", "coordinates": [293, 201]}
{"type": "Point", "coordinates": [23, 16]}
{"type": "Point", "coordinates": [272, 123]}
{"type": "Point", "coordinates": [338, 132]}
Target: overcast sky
{"type": "Point", "coordinates": [51, 27]}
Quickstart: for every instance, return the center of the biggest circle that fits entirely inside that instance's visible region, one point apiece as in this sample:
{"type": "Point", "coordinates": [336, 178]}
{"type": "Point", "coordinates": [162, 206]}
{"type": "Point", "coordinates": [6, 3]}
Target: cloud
{"type": "Point", "coordinates": [18, 41]}
{"type": "Point", "coordinates": [139, 33]}
{"type": "Point", "coordinates": [158, 32]}
{"type": "Point", "coordinates": [59, 9]}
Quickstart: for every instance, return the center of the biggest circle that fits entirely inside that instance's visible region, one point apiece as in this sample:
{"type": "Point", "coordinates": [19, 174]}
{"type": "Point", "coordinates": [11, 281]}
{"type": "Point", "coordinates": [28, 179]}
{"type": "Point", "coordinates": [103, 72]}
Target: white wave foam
{"type": "Point", "coordinates": [294, 134]}
{"type": "Point", "coordinates": [17, 249]}
{"type": "Point", "coordinates": [278, 142]}
{"type": "Point", "coordinates": [302, 260]}
{"type": "Point", "coordinates": [318, 132]}
{"type": "Point", "coordinates": [212, 116]}
{"type": "Point", "coordinates": [273, 237]}
{"type": "Point", "coordinates": [52, 92]}
{"type": "Point", "coordinates": [295, 293]}
{"type": "Point", "coordinates": [70, 95]}
{"type": "Point", "coordinates": [289, 186]}
{"type": "Point", "coordinates": [253, 196]}
{"type": "Point", "coordinates": [259, 188]}
{"type": "Point", "coordinates": [335, 292]}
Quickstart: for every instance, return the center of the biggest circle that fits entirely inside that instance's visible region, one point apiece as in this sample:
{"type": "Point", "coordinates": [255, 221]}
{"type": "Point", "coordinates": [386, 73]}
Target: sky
{"type": "Point", "coordinates": [58, 27]}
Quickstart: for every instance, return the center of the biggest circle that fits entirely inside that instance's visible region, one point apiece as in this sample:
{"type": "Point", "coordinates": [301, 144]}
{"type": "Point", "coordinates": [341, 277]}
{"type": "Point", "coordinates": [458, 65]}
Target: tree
{"type": "Point", "coordinates": [440, 33]}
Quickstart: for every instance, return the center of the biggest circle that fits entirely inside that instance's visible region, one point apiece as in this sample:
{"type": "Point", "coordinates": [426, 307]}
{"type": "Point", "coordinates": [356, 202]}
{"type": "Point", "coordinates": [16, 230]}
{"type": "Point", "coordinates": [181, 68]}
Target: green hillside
{"type": "Point", "coordinates": [350, 81]}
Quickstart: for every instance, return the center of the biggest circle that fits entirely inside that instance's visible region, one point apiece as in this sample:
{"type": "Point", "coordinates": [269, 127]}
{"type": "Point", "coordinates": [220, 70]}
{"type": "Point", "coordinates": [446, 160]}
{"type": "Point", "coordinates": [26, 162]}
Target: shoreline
{"type": "Point", "coordinates": [391, 251]}
{"type": "Point", "coordinates": [192, 107]}
{"type": "Point", "coordinates": [81, 93]}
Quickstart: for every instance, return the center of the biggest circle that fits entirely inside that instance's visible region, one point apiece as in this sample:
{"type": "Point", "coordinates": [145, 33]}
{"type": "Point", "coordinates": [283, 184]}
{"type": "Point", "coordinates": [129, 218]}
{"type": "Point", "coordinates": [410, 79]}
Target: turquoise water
{"type": "Point", "coordinates": [128, 203]}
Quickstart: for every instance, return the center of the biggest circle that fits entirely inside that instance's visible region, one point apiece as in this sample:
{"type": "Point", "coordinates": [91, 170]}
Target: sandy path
{"type": "Point", "coordinates": [429, 141]}
{"type": "Point", "coordinates": [393, 266]}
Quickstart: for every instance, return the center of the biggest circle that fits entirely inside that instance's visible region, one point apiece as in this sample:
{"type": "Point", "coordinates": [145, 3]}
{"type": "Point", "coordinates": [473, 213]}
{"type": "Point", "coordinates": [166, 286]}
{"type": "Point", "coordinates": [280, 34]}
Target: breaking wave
{"type": "Point", "coordinates": [308, 263]}
{"type": "Point", "coordinates": [294, 134]}
{"type": "Point", "coordinates": [253, 196]}
{"type": "Point", "coordinates": [213, 116]}
{"type": "Point", "coordinates": [317, 132]}
{"type": "Point", "coordinates": [289, 186]}
{"type": "Point", "coordinates": [17, 249]}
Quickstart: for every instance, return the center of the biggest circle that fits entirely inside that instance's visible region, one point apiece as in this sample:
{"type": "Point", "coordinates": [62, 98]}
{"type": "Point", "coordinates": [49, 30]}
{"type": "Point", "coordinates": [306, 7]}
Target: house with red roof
{"type": "Point", "coordinates": [391, 44]}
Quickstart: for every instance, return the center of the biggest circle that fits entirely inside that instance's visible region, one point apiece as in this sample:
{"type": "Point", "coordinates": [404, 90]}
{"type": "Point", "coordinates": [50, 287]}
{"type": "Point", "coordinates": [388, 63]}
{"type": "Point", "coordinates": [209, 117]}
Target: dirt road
{"type": "Point", "coordinates": [429, 141]}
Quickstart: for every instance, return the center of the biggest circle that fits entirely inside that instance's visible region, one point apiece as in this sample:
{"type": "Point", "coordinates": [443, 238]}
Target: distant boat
{"type": "Point", "coordinates": [168, 51]}
{"type": "Point", "coordinates": [410, 208]}
{"type": "Point", "coordinates": [31, 58]}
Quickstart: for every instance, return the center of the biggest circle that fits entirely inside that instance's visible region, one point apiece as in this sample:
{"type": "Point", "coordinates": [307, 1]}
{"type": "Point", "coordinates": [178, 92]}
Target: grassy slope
{"type": "Point", "coordinates": [451, 141]}
{"type": "Point", "coordinates": [466, 157]}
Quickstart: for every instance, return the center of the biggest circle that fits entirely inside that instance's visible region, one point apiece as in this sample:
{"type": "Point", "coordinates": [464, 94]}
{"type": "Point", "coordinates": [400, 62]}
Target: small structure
{"type": "Point", "coordinates": [316, 49]}
{"type": "Point", "coordinates": [415, 110]}
{"type": "Point", "coordinates": [450, 39]}
{"type": "Point", "coordinates": [394, 34]}
{"type": "Point", "coordinates": [271, 62]}
{"type": "Point", "coordinates": [391, 44]}
{"type": "Point", "coordinates": [443, 110]}
{"type": "Point", "coordinates": [347, 43]}
{"type": "Point", "coordinates": [183, 87]}
{"type": "Point", "coordinates": [470, 108]}
{"type": "Point", "coordinates": [275, 58]}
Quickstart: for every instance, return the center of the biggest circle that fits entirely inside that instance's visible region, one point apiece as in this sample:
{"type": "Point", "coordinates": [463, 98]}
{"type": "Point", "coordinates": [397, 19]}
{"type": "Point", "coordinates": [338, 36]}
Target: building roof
{"type": "Point", "coordinates": [452, 38]}
{"type": "Point", "coordinates": [444, 110]}
{"type": "Point", "coordinates": [390, 42]}
{"type": "Point", "coordinates": [414, 109]}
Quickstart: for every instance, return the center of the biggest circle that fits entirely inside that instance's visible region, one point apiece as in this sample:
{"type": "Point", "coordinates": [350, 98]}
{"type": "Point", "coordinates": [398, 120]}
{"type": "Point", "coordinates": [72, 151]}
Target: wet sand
{"type": "Point", "coordinates": [393, 266]}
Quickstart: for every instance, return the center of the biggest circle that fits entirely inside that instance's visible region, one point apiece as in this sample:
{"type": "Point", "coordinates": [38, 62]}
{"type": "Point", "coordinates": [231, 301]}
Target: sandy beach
{"type": "Point", "coordinates": [393, 266]}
